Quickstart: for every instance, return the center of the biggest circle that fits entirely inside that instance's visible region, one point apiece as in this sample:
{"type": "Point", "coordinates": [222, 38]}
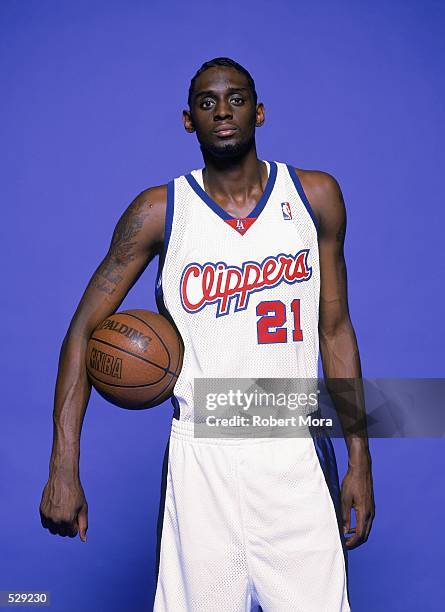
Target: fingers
{"type": "Point", "coordinates": [67, 529]}
{"type": "Point", "coordinates": [64, 509]}
{"type": "Point", "coordinates": [346, 507]}
{"type": "Point", "coordinates": [64, 528]}
{"type": "Point", "coordinates": [358, 531]}
{"type": "Point", "coordinates": [362, 528]}
{"type": "Point", "coordinates": [82, 520]}
{"type": "Point", "coordinates": [43, 519]}
{"type": "Point", "coordinates": [357, 493]}
{"type": "Point", "coordinates": [369, 524]}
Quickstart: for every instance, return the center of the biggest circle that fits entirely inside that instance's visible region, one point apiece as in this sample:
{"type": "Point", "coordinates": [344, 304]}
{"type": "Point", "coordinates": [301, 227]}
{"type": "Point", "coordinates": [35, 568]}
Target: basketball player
{"type": "Point", "coordinates": [241, 521]}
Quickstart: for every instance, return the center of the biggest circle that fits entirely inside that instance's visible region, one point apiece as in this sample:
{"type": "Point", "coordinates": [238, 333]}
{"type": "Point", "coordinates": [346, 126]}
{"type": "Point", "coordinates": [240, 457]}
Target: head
{"type": "Point", "coordinates": [223, 108]}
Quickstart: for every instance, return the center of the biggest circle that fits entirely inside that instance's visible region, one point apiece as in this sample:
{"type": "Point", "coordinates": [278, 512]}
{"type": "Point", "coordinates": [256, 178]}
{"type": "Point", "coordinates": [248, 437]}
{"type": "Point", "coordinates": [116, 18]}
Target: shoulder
{"type": "Point", "coordinates": [152, 197]}
{"type": "Point", "coordinates": [145, 215]}
{"type": "Point", "coordinates": [318, 185]}
{"type": "Point", "coordinates": [324, 195]}
{"type": "Point", "coordinates": [150, 202]}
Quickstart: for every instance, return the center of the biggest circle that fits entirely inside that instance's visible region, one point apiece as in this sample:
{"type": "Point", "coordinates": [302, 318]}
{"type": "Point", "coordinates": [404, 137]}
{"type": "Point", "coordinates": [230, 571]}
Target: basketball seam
{"type": "Point", "coordinates": [178, 340]}
{"type": "Point", "coordinates": [133, 386]}
{"type": "Point", "coordinates": [152, 400]}
{"type": "Point", "coordinates": [154, 331]}
{"type": "Point", "coordinates": [118, 348]}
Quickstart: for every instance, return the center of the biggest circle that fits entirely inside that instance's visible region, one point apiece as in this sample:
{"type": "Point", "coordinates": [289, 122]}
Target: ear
{"type": "Point", "coordinates": [188, 122]}
{"type": "Point", "coordinates": [260, 115]}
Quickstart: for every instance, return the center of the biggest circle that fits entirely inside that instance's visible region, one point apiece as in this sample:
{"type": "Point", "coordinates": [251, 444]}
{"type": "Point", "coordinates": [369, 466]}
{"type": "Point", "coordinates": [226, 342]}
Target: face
{"type": "Point", "coordinates": [223, 113]}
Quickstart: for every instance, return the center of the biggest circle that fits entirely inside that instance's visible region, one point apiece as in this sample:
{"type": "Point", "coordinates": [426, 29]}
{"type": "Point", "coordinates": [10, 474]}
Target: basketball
{"type": "Point", "coordinates": [134, 358]}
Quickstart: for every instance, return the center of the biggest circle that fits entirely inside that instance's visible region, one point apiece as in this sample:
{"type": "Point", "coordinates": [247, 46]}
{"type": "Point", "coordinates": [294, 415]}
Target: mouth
{"type": "Point", "coordinates": [223, 131]}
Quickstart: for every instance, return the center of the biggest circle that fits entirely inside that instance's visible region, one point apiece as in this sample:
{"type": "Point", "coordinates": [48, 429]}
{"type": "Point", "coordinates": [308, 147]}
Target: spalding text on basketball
{"type": "Point", "coordinates": [131, 333]}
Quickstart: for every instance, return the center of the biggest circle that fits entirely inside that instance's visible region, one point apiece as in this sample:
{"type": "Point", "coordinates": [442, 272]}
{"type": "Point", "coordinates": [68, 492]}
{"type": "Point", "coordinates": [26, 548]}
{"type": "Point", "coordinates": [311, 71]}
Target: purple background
{"type": "Point", "coordinates": [91, 103]}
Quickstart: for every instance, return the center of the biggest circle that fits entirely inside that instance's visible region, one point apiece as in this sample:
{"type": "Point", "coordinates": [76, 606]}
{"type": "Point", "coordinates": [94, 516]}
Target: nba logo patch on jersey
{"type": "Point", "coordinates": [285, 209]}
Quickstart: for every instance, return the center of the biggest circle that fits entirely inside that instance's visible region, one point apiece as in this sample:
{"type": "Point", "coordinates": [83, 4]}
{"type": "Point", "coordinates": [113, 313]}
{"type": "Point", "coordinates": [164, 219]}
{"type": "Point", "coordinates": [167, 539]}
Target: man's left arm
{"type": "Point", "coordinates": [339, 353]}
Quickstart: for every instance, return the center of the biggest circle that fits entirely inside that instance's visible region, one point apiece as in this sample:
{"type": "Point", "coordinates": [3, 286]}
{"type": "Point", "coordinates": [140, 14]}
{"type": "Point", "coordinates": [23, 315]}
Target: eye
{"type": "Point", "coordinates": [206, 103]}
{"type": "Point", "coordinates": [237, 100]}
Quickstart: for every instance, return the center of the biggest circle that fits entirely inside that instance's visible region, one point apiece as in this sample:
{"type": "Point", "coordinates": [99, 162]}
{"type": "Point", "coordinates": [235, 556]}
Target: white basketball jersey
{"type": "Point", "coordinates": [243, 292]}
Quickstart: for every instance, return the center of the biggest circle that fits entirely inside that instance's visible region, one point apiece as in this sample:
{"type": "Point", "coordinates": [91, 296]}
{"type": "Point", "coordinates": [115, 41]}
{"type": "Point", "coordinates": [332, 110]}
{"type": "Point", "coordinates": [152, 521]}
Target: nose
{"type": "Point", "coordinates": [222, 110]}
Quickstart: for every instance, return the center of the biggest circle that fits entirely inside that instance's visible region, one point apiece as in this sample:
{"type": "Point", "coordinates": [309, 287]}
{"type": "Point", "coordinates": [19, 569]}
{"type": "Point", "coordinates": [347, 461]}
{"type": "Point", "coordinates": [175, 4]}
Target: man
{"type": "Point", "coordinates": [253, 274]}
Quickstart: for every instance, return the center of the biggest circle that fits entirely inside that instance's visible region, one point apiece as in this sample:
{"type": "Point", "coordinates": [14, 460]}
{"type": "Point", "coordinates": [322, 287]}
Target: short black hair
{"type": "Point", "coordinates": [223, 61]}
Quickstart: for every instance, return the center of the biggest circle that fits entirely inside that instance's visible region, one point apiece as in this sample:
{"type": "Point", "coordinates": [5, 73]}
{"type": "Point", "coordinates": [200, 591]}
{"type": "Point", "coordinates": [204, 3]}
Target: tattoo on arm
{"type": "Point", "coordinates": [122, 247]}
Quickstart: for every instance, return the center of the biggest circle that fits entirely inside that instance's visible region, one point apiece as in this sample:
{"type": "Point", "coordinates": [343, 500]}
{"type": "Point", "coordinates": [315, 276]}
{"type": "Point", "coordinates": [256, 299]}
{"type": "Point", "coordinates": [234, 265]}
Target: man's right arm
{"type": "Point", "coordinates": [137, 238]}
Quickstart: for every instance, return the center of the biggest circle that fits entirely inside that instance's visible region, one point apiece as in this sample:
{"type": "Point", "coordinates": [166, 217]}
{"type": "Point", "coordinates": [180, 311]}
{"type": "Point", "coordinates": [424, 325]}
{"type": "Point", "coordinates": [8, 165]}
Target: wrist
{"type": "Point", "coordinates": [65, 464]}
{"type": "Point", "coordinates": [358, 453]}
{"type": "Point", "coordinates": [65, 472]}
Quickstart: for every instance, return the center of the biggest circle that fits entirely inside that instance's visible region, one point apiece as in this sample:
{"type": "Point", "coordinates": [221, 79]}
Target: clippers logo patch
{"type": "Point", "coordinates": [241, 225]}
{"type": "Point", "coordinates": [285, 209]}
{"type": "Point", "coordinates": [220, 283]}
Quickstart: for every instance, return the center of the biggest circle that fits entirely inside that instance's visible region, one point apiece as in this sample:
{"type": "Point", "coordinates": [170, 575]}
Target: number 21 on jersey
{"type": "Point", "coordinates": [270, 325]}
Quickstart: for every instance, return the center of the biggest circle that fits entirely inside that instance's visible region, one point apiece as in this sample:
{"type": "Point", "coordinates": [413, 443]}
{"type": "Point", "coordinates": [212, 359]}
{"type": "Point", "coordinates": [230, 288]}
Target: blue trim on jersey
{"type": "Point", "coordinates": [220, 211]}
{"type": "Point", "coordinates": [161, 511]}
{"type": "Point", "coordinates": [299, 187]}
{"type": "Point", "coordinates": [159, 294]}
{"type": "Point", "coordinates": [167, 233]}
{"type": "Point", "coordinates": [169, 213]}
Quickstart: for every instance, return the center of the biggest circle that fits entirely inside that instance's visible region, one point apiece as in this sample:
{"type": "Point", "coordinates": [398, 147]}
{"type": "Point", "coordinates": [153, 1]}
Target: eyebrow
{"type": "Point", "coordinates": [210, 92]}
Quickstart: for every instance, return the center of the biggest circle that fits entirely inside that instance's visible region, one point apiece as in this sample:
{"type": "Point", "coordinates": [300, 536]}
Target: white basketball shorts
{"type": "Point", "coordinates": [247, 522]}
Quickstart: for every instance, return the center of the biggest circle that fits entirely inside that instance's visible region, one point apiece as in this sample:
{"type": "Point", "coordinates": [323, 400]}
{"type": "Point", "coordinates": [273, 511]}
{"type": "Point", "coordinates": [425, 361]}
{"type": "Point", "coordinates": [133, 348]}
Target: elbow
{"type": "Point", "coordinates": [75, 337]}
{"type": "Point", "coordinates": [331, 330]}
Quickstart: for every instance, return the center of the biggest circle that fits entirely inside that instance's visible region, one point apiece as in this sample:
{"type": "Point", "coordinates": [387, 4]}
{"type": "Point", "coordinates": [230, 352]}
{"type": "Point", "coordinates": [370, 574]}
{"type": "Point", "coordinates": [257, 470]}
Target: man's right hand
{"type": "Point", "coordinates": [137, 238]}
{"type": "Point", "coordinates": [64, 509]}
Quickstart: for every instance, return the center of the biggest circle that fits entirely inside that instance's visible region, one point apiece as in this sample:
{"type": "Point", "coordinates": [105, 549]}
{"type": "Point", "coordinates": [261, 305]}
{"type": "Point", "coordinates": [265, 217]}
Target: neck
{"type": "Point", "coordinates": [234, 178]}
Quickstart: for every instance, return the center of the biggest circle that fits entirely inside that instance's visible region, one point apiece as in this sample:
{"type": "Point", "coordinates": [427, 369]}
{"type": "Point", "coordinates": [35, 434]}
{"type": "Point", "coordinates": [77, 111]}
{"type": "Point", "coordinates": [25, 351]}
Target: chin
{"type": "Point", "coordinates": [227, 150]}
